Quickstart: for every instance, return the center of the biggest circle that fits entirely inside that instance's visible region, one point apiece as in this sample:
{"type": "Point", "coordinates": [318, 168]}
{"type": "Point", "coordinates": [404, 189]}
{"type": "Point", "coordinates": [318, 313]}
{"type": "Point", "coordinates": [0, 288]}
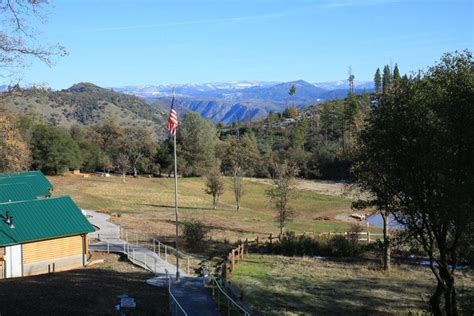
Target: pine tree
{"type": "Point", "coordinates": [396, 74]}
{"type": "Point", "coordinates": [378, 81]}
{"type": "Point", "coordinates": [386, 79]}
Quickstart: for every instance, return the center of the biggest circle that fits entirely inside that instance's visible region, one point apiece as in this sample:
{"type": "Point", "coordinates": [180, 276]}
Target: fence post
{"type": "Point", "coordinates": [368, 236]}
{"type": "Point", "coordinates": [257, 240]}
{"type": "Point", "coordinates": [233, 261]}
{"type": "Point", "coordinates": [166, 253]}
{"type": "Point", "coordinates": [154, 248]}
{"type": "Point", "coordinates": [108, 247]}
{"type": "Point", "coordinates": [159, 249]}
{"type": "Point", "coordinates": [271, 238]}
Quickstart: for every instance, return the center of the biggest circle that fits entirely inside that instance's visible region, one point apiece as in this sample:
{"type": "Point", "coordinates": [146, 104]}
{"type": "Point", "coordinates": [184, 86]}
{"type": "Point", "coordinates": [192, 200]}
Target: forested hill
{"type": "Point", "coordinates": [86, 104]}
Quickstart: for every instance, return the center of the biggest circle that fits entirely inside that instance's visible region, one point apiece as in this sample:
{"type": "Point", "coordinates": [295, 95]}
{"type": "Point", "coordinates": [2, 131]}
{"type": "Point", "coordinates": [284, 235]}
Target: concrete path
{"type": "Point", "coordinates": [189, 291]}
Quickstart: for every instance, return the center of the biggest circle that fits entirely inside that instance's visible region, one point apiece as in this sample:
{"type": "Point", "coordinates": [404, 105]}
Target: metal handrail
{"type": "Point", "coordinates": [168, 278]}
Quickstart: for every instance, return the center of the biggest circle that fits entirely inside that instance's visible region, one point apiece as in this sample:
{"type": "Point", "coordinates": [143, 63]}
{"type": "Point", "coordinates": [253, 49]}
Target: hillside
{"type": "Point", "coordinates": [86, 104]}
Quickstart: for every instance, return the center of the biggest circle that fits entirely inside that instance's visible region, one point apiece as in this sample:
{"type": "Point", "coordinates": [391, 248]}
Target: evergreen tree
{"type": "Point", "coordinates": [54, 150]}
{"type": "Point", "coordinates": [415, 161]}
{"type": "Point", "coordinates": [197, 138]}
{"type": "Point", "coordinates": [396, 74]}
{"type": "Point", "coordinates": [386, 79]}
{"type": "Point", "coordinates": [378, 81]}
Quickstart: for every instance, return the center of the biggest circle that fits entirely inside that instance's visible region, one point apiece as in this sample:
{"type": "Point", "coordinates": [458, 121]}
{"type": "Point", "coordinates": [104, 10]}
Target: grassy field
{"type": "Point", "coordinates": [147, 204]}
{"type": "Point", "coordinates": [88, 291]}
{"type": "Point", "coordinates": [276, 285]}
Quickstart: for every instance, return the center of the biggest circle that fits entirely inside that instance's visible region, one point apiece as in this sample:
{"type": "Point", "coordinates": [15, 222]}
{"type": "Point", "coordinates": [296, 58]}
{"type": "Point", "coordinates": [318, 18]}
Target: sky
{"type": "Point", "coordinates": [117, 42]}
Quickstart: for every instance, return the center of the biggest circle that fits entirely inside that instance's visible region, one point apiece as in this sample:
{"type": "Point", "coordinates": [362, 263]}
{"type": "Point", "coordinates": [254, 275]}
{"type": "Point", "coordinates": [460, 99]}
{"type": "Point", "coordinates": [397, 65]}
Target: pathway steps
{"type": "Point", "coordinates": [189, 290]}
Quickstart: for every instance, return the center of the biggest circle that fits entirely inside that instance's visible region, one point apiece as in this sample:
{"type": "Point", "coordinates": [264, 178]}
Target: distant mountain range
{"type": "Point", "coordinates": [228, 102]}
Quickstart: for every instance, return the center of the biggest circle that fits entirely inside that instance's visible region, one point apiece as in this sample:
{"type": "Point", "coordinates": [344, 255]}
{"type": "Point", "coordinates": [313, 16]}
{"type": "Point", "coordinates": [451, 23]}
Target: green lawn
{"type": "Point", "coordinates": [276, 285]}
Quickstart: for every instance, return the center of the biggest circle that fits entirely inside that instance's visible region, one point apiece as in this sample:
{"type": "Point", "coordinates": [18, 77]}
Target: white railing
{"type": "Point", "coordinates": [174, 306]}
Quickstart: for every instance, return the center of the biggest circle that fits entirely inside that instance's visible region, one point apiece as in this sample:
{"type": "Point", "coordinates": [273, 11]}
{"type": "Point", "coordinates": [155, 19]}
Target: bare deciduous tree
{"type": "Point", "coordinates": [214, 185]}
{"type": "Point", "coordinates": [18, 37]}
{"type": "Point", "coordinates": [282, 192]}
{"type": "Point", "coordinates": [123, 163]}
{"type": "Point", "coordinates": [238, 184]}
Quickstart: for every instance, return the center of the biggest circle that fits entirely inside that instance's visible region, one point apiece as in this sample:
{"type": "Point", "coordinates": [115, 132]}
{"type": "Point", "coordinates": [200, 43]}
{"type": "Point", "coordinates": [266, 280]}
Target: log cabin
{"type": "Point", "coordinates": [42, 236]}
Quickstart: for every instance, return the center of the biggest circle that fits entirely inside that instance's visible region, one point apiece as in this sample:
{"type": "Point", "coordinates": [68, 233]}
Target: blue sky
{"type": "Point", "coordinates": [119, 42]}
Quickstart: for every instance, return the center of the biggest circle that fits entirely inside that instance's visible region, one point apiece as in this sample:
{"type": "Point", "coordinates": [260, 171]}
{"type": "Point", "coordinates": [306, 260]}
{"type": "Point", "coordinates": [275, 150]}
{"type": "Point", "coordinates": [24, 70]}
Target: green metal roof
{"type": "Point", "coordinates": [14, 192]}
{"type": "Point", "coordinates": [42, 219]}
{"type": "Point", "coordinates": [39, 184]}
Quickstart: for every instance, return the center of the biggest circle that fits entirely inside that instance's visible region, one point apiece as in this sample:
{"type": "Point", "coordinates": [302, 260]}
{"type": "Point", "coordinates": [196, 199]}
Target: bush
{"type": "Point", "coordinates": [194, 231]}
{"type": "Point", "coordinates": [290, 245]}
{"type": "Point", "coordinates": [340, 246]}
{"type": "Point", "coordinates": [337, 246]}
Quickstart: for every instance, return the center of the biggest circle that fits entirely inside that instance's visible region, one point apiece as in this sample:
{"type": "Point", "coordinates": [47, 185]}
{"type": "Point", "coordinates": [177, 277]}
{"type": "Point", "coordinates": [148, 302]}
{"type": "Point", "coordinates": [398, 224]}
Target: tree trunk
{"type": "Point", "coordinates": [135, 172]}
{"type": "Point", "coordinates": [214, 202]}
{"type": "Point", "coordinates": [386, 242]}
{"type": "Point", "coordinates": [435, 300]}
{"type": "Point", "coordinates": [123, 176]}
{"type": "Point", "coordinates": [449, 289]}
{"type": "Point", "coordinates": [238, 205]}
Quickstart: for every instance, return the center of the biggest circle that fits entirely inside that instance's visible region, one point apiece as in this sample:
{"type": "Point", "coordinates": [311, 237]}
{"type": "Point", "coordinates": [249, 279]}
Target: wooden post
{"type": "Point", "coordinates": [233, 261]}
{"type": "Point", "coordinates": [108, 247]}
{"type": "Point", "coordinates": [271, 238]}
{"type": "Point", "coordinates": [368, 236]}
{"type": "Point", "coordinates": [159, 249]}
{"type": "Point", "coordinates": [257, 240]}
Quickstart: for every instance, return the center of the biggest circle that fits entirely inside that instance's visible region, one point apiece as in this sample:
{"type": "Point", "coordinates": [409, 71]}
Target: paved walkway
{"type": "Point", "coordinates": [189, 291]}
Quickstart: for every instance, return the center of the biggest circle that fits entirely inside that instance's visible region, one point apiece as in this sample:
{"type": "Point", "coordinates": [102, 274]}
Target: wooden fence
{"type": "Point", "coordinates": [238, 253]}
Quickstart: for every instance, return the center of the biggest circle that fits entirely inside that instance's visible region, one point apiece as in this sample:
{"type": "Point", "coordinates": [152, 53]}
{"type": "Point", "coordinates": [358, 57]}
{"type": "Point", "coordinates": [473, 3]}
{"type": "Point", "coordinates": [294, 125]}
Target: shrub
{"type": "Point", "coordinates": [193, 231]}
{"type": "Point", "coordinates": [340, 246]}
{"type": "Point", "coordinates": [337, 246]}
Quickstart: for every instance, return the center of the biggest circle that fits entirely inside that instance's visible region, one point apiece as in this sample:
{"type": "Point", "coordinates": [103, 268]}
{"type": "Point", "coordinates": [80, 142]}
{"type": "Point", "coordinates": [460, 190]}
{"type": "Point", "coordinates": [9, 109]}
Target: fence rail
{"type": "Point", "coordinates": [270, 238]}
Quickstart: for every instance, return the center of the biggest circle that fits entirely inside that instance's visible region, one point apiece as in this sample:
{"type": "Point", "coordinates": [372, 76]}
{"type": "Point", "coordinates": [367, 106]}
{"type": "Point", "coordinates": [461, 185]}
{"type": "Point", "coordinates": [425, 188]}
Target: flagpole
{"type": "Point", "coordinates": [176, 204]}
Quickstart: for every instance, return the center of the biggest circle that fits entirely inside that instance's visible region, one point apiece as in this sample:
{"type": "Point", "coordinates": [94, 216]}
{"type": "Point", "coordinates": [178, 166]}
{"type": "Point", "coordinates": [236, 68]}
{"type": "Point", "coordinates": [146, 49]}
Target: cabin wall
{"type": "Point", "coordinates": [2, 263]}
{"type": "Point", "coordinates": [53, 255]}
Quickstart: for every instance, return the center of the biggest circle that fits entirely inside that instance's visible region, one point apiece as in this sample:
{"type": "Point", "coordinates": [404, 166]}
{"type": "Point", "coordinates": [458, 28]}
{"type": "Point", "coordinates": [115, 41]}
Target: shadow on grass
{"type": "Point", "coordinates": [90, 291]}
{"type": "Point", "coordinates": [219, 227]}
{"type": "Point", "coordinates": [338, 297]}
{"type": "Point", "coordinates": [181, 207]}
{"type": "Point", "coordinates": [274, 294]}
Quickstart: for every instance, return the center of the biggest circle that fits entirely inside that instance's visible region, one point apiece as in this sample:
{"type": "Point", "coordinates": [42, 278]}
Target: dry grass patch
{"type": "Point", "coordinates": [277, 285]}
{"type": "Point", "coordinates": [146, 204]}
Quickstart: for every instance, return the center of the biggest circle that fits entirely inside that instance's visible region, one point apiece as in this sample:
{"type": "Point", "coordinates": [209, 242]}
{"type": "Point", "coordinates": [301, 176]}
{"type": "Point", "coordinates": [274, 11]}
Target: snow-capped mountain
{"type": "Point", "coordinates": [241, 100]}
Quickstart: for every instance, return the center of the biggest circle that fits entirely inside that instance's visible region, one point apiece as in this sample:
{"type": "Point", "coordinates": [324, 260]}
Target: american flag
{"type": "Point", "coordinates": [173, 119]}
